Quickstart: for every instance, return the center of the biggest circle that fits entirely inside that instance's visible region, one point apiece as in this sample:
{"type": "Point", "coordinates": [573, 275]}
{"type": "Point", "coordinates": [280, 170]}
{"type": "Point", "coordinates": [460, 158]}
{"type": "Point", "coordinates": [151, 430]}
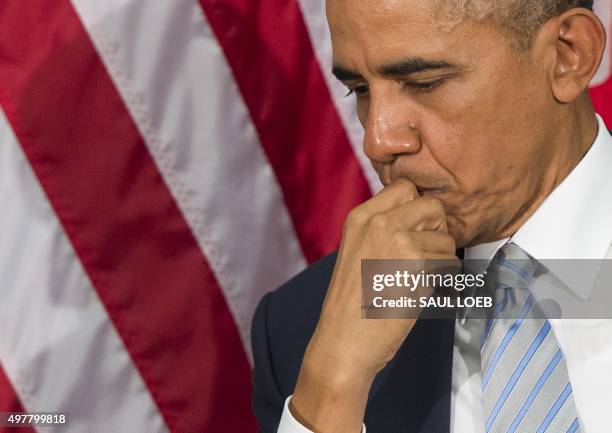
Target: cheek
{"type": "Point", "coordinates": [460, 151]}
{"type": "Point", "coordinates": [462, 135]}
{"type": "Point", "coordinates": [484, 144]}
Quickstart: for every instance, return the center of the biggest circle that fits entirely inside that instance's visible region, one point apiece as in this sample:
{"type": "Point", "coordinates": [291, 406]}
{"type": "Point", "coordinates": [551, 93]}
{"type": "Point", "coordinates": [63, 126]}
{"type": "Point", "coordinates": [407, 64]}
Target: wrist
{"type": "Point", "coordinates": [330, 398]}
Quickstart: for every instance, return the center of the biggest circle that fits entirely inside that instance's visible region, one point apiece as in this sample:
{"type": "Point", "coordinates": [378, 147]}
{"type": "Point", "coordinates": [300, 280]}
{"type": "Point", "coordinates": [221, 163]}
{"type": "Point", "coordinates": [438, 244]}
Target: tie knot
{"type": "Point", "coordinates": [513, 266]}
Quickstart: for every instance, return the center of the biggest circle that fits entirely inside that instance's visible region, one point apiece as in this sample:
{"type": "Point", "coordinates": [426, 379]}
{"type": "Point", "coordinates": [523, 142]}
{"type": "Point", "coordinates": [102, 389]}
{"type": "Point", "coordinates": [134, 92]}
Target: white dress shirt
{"type": "Point", "coordinates": [574, 222]}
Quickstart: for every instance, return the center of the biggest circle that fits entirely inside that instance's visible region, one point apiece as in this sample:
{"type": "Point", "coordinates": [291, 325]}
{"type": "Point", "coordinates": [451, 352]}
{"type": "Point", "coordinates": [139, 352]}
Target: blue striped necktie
{"type": "Point", "coordinates": [525, 384]}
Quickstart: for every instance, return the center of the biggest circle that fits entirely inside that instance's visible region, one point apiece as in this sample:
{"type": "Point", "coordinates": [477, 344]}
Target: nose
{"type": "Point", "coordinates": [389, 132]}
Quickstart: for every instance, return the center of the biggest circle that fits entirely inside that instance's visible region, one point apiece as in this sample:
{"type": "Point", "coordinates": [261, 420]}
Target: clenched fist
{"type": "Point", "coordinates": [346, 352]}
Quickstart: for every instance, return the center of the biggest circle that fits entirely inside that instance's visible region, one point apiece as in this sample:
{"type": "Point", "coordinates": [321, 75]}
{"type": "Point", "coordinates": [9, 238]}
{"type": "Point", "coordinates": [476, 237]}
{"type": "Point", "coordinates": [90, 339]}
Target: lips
{"type": "Point", "coordinates": [427, 185]}
{"type": "Point", "coordinates": [423, 191]}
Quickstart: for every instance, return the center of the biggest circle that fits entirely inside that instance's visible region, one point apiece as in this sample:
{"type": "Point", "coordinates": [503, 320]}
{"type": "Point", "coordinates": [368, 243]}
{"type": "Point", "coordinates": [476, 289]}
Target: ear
{"type": "Point", "coordinates": [580, 44]}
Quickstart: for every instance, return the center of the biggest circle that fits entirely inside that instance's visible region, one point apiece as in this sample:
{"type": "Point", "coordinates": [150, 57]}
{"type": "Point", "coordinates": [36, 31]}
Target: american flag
{"type": "Point", "coordinates": [163, 164]}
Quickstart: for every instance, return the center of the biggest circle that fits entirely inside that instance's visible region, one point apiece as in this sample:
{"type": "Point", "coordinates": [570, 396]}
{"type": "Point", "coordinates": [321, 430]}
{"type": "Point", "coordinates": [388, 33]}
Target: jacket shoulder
{"type": "Point", "coordinates": [284, 321]}
{"type": "Point", "coordinates": [293, 314]}
{"type": "Point", "coordinates": [304, 293]}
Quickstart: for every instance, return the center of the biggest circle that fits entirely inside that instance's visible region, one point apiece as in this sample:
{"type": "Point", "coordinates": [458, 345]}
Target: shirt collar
{"type": "Point", "coordinates": [573, 222]}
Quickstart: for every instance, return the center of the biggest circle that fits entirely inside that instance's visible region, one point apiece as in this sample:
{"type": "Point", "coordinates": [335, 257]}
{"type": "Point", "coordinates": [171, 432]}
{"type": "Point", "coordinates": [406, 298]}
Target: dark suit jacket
{"type": "Point", "coordinates": [411, 395]}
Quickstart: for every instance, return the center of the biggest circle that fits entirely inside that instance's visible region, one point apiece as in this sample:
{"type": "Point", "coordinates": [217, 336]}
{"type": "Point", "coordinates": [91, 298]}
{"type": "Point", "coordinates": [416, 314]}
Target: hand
{"type": "Point", "coordinates": [346, 352]}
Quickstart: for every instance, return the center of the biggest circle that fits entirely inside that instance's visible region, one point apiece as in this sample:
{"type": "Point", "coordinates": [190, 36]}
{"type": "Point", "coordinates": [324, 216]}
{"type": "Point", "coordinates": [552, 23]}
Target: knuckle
{"type": "Point", "coordinates": [409, 186]}
{"type": "Point", "coordinates": [435, 209]}
{"type": "Point", "coordinates": [435, 204]}
{"type": "Point", "coordinates": [410, 191]}
{"type": "Point", "coordinates": [405, 242]}
{"type": "Point", "coordinates": [417, 255]}
{"type": "Point", "coordinates": [354, 219]}
{"type": "Point", "coordinates": [451, 243]}
{"type": "Point", "coordinates": [379, 222]}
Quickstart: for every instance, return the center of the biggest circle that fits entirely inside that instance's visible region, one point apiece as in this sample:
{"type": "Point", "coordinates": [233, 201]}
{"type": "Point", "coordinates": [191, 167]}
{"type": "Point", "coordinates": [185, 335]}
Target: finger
{"type": "Point", "coordinates": [421, 214]}
{"type": "Point", "coordinates": [449, 263]}
{"type": "Point", "coordinates": [435, 242]}
{"type": "Point", "coordinates": [398, 193]}
{"type": "Point", "coordinates": [441, 263]}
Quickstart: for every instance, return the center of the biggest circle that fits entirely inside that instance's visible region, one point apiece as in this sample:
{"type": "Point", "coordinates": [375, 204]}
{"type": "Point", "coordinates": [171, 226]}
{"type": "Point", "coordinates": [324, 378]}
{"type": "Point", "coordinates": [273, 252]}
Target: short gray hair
{"type": "Point", "coordinates": [520, 18]}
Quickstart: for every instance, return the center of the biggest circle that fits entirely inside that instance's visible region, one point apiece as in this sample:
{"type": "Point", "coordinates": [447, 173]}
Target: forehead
{"type": "Point", "coordinates": [347, 15]}
{"type": "Point", "coordinates": [377, 31]}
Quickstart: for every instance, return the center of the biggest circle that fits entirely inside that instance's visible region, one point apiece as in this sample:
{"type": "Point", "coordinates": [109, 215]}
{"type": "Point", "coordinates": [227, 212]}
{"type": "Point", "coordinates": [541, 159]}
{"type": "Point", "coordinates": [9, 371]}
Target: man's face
{"type": "Point", "coordinates": [448, 105]}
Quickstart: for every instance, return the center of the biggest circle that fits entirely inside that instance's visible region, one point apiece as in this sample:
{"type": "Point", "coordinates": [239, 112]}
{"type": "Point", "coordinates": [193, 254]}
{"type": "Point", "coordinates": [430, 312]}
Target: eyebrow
{"type": "Point", "coordinates": [412, 65]}
{"type": "Point", "coordinates": [344, 74]}
{"type": "Point", "coordinates": [400, 68]}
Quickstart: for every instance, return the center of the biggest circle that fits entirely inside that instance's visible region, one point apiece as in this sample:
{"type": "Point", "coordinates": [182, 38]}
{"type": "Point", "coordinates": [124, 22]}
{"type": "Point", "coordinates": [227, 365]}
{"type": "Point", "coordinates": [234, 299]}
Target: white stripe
{"type": "Point", "coordinates": [313, 12]}
{"type": "Point", "coordinates": [171, 72]}
{"type": "Point", "coordinates": [604, 10]}
{"type": "Point", "coordinates": [57, 344]}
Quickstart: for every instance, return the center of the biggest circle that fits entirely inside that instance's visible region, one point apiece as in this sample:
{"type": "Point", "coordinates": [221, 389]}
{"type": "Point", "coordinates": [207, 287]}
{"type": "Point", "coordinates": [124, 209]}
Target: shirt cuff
{"type": "Point", "coordinates": [288, 424]}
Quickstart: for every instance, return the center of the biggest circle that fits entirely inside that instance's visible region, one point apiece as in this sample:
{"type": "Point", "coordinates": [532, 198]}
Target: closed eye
{"type": "Point", "coordinates": [361, 90]}
{"type": "Point", "coordinates": [423, 86]}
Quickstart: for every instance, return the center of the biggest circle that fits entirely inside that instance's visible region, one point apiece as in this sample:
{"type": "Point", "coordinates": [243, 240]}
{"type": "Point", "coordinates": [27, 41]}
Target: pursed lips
{"type": "Point", "coordinates": [390, 173]}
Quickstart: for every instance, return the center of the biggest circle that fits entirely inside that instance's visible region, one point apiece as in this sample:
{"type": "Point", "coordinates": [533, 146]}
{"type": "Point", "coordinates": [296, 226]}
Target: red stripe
{"type": "Point", "coordinates": [9, 402]}
{"type": "Point", "coordinates": [602, 94]}
{"type": "Point", "coordinates": [602, 100]}
{"type": "Point", "coordinates": [121, 219]}
{"type": "Point", "coordinates": [267, 46]}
